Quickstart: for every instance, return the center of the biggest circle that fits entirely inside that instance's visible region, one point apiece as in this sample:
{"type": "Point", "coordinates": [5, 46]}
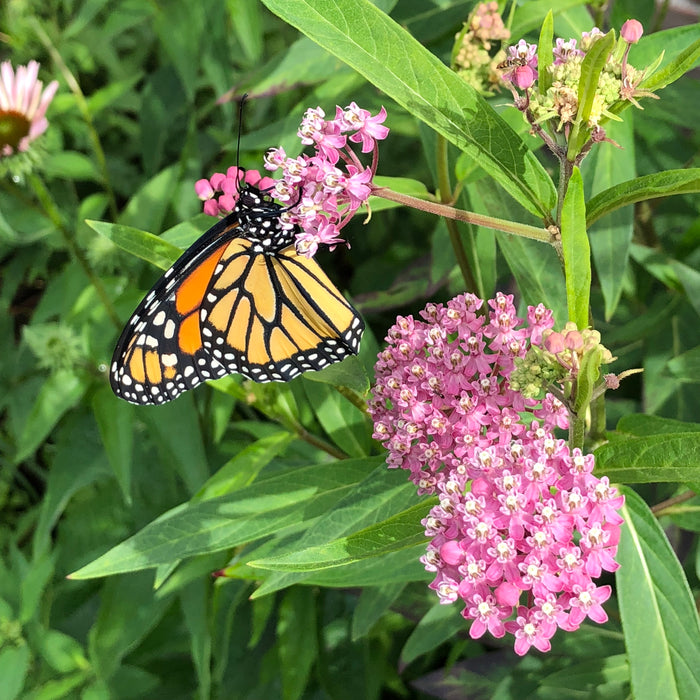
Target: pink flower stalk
{"type": "Point", "coordinates": [522, 526]}
{"type": "Point", "coordinates": [321, 192]}
{"type": "Point", "coordinates": [23, 106]}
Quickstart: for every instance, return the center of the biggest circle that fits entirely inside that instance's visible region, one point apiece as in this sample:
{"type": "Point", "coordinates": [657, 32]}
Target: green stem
{"type": "Point", "coordinates": [538, 234]}
{"type": "Point", "coordinates": [577, 430]}
{"type": "Point", "coordinates": [52, 211]}
{"type": "Point", "coordinates": [84, 111]}
{"type": "Point", "coordinates": [566, 169]}
{"type": "Point", "coordinates": [597, 432]}
{"type": "Point", "coordinates": [446, 194]}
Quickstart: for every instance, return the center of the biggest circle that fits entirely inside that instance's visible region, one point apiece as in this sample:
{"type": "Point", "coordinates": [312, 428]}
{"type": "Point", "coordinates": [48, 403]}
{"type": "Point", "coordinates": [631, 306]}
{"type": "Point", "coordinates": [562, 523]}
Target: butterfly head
{"type": "Point", "coordinates": [260, 220]}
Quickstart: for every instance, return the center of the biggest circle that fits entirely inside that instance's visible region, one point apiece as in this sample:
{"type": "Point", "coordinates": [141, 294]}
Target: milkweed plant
{"type": "Point", "coordinates": [497, 493]}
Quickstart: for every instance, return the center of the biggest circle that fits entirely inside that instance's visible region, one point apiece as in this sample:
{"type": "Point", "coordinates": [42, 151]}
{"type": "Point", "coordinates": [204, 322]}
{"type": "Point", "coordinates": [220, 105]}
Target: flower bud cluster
{"type": "Point", "coordinates": [477, 55]}
{"type": "Point", "coordinates": [618, 80]}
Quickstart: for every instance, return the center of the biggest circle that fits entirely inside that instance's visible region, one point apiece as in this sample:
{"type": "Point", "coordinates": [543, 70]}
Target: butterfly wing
{"type": "Point", "coordinates": [272, 317]}
{"type": "Point", "coordinates": [159, 354]}
{"type": "Point", "coordinates": [224, 307]}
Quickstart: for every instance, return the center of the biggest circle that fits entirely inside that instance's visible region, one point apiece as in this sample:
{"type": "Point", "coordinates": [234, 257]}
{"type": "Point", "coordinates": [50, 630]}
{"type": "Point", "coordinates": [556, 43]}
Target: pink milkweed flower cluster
{"type": "Point", "coordinates": [325, 190]}
{"type": "Point", "coordinates": [322, 191]}
{"type": "Point", "coordinates": [23, 104]}
{"type": "Point", "coordinates": [522, 527]}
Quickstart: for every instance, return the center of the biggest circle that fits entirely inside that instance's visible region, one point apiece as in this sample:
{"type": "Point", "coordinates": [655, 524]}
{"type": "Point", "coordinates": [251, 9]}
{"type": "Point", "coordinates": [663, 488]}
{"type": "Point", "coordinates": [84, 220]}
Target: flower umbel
{"type": "Point", "coordinates": [477, 55]}
{"type": "Point", "coordinates": [522, 526]}
{"type": "Point", "coordinates": [551, 105]}
{"type": "Point", "coordinates": [322, 191]}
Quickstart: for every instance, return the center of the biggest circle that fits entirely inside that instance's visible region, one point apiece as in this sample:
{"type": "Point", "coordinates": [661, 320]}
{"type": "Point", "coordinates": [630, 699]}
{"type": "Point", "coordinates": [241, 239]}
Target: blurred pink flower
{"type": "Point", "coordinates": [22, 106]}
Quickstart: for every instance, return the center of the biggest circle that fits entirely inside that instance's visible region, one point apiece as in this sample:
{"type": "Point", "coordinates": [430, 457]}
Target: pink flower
{"type": "Point", "coordinates": [368, 129]}
{"type": "Point", "coordinates": [322, 191]}
{"type": "Point", "coordinates": [632, 31]}
{"type": "Point", "coordinates": [529, 631]}
{"type": "Point", "coordinates": [23, 105]}
{"type": "Point", "coordinates": [519, 513]}
{"type": "Point", "coordinates": [220, 192]}
{"type": "Point", "coordinates": [564, 50]}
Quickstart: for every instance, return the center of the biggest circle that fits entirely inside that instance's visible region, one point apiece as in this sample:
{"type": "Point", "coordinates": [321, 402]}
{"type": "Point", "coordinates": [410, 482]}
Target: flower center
{"type": "Point", "coordinates": [14, 126]}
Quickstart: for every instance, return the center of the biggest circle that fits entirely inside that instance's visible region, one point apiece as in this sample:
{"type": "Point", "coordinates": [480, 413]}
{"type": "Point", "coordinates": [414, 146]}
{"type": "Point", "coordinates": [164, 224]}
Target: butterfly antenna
{"type": "Point", "coordinates": [238, 140]}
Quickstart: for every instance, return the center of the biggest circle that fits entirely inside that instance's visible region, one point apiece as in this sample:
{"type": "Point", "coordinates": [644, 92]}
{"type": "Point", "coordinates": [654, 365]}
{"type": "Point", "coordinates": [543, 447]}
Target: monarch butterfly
{"type": "Point", "coordinates": [240, 299]}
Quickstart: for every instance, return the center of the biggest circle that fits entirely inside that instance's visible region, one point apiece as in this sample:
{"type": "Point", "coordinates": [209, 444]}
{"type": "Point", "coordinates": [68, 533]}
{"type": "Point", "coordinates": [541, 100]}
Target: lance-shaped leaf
{"type": "Point", "coordinates": [389, 57]}
{"type": "Point", "coordinates": [657, 609]}
{"type": "Point", "coordinates": [577, 251]}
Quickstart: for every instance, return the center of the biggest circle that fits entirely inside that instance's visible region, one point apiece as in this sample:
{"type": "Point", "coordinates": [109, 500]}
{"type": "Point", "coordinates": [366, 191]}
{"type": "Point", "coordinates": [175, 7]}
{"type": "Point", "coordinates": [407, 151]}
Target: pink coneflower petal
{"type": "Point", "coordinates": [23, 106]}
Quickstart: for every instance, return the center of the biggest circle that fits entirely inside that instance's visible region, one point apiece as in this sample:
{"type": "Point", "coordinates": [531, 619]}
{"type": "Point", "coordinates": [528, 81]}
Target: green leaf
{"type": "Point", "coordinates": [606, 676]}
{"type": "Point", "coordinates": [60, 651]}
{"type": "Point", "coordinates": [642, 425]}
{"type": "Point", "coordinates": [147, 208]}
{"type": "Point", "coordinates": [242, 469]}
{"type": "Point", "coordinates": [346, 425]}
{"type": "Point", "coordinates": [195, 602]}
{"type": "Point", "coordinates": [177, 430]}
{"type": "Point", "coordinates": [610, 239]}
{"type": "Point", "coordinates": [673, 70]}
{"type": "Point", "coordinates": [79, 461]}
{"type": "Point", "coordinates": [383, 492]}
{"type": "Point", "coordinates": [129, 610]}
{"type": "Point", "coordinates": [34, 582]}
{"type": "Point", "coordinates": [545, 57]}
{"type": "Point", "coordinates": [349, 373]}
{"type": "Point", "coordinates": [403, 566]}
{"type": "Point", "coordinates": [686, 367]}
{"type": "Point", "coordinates": [593, 63]}
{"type": "Point", "coordinates": [440, 624]}
{"type": "Point", "coordinates": [181, 29]}
{"type": "Point", "coordinates": [106, 96]}
{"type": "Point", "coordinates": [61, 391]}
{"type": "Point", "coordinates": [374, 602]}
{"type": "Point", "coordinates": [14, 667]}
{"type": "Point", "coordinates": [592, 66]}
{"type": "Point", "coordinates": [689, 278]}
{"type": "Point", "coordinates": [577, 251]}
{"type": "Point", "coordinates": [532, 14]}
{"type": "Point", "coordinates": [115, 420]}
{"type": "Point", "coordinates": [390, 58]}
{"type": "Point", "coordinates": [303, 63]}
{"type": "Point", "coordinates": [658, 612]}
{"type": "Point", "coordinates": [664, 184]}
{"type": "Point", "coordinates": [401, 531]}
{"type": "Point", "coordinates": [662, 457]}
{"type": "Point", "coordinates": [297, 648]}
{"type": "Point", "coordinates": [71, 165]}
{"type": "Point", "coordinates": [247, 22]}
{"type": "Point", "coordinates": [267, 506]}
{"type": "Point", "coordinates": [142, 244]}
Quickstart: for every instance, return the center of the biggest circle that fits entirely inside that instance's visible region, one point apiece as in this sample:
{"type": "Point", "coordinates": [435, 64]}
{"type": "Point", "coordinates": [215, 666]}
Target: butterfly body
{"type": "Point", "coordinates": [239, 300]}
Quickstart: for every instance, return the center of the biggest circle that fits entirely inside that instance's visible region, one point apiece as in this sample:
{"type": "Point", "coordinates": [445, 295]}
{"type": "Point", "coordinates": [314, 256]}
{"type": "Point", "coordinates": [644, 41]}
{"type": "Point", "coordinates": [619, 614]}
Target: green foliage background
{"type": "Point", "coordinates": [281, 485]}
